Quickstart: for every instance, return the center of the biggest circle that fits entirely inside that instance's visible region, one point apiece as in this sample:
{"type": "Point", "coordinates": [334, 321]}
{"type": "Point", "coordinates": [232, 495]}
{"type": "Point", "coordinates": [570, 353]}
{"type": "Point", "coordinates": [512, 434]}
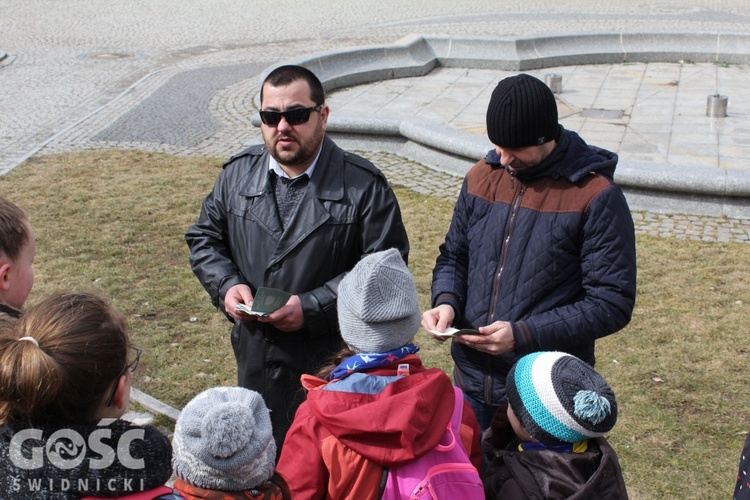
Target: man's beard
{"type": "Point", "coordinates": [292, 158]}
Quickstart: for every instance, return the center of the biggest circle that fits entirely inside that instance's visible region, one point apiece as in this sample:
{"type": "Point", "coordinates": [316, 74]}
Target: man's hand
{"type": "Point", "coordinates": [438, 318]}
{"type": "Point", "coordinates": [496, 338]}
{"type": "Point", "coordinates": [288, 318]}
{"type": "Point", "coordinates": [238, 294]}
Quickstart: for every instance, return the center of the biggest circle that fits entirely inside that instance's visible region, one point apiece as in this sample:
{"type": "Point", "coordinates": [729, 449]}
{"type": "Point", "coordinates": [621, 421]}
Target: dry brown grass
{"type": "Point", "coordinates": [115, 221]}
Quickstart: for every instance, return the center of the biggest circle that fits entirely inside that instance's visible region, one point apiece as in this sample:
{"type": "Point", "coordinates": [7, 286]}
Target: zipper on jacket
{"type": "Point", "coordinates": [509, 226]}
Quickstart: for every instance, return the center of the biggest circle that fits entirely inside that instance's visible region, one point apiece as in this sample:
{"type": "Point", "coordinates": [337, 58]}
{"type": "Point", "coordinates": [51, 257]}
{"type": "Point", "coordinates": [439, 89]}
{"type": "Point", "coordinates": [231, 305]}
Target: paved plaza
{"type": "Point", "coordinates": [652, 112]}
{"type": "Point", "coordinates": [181, 78]}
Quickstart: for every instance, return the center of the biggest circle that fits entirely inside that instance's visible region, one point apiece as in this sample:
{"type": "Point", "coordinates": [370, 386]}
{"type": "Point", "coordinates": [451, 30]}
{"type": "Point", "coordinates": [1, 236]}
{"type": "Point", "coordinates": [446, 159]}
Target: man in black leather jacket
{"type": "Point", "coordinates": [295, 214]}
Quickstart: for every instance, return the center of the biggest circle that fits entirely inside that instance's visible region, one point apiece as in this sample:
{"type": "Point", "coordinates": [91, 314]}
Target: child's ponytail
{"type": "Point", "coordinates": [29, 378]}
{"type": "Point", "coordinates": [61, 359]}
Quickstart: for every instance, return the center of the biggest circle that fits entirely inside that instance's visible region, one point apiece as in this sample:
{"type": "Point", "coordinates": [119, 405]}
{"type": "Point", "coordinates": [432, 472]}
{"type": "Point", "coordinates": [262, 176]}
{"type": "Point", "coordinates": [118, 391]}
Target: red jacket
{"type": "Point", "coordinates": [348, 430]}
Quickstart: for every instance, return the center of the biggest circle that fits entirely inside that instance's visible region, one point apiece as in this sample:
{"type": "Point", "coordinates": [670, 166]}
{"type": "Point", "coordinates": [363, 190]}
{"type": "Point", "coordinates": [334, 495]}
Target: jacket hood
{"type": "Point", "coordinates": [402, 421]}
{"type": "Point", "coordinates": [542, 474]}
{"type": "Point", "coordinates": [571, 159]}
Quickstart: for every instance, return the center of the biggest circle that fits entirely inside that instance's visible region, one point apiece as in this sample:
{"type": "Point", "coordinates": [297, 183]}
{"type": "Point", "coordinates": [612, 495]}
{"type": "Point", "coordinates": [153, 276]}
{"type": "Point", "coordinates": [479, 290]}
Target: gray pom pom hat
{"type": "Point", "coordinates": [223, 440]}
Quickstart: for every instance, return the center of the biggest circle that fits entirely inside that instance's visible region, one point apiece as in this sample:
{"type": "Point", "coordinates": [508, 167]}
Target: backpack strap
{"type": "Point", "coordinates": [453, 429]}
{"type": "Point", "coordinates": [383, 481]}
{"type": "Point", "coordinates": [458, 408]}
{"type": "Point", "coordinates": [454, 425]}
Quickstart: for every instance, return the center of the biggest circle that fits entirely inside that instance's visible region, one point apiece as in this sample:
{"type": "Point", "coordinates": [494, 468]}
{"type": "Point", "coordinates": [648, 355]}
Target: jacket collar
{"type": "Point", "coordinates": [327, 181]}
{"type": "Point", "coordinates": [571, 159]}
{"type": "Point", "coordinates": [10, 311]}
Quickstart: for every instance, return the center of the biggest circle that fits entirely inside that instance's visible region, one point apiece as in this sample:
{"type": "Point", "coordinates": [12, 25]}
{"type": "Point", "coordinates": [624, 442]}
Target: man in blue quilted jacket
{"type": "Point", "coordinates": [540, 253]}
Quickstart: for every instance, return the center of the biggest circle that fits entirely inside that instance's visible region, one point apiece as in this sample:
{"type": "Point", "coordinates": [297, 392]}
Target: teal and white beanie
{"type": "Point", "coordinates": [559, 398]}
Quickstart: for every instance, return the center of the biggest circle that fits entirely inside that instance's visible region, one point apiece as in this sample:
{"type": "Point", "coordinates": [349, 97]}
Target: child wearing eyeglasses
{"type": "Point", "coordinates": [17, 247]}
{"type": "Point", "coordinates": [65, 378]}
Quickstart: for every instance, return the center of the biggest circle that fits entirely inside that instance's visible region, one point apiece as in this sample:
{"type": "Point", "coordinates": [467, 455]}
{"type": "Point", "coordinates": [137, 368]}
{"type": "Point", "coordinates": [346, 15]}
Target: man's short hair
{"type": "Point", "coordinates": [14, 231]}
{"type": "Point", "coordinates": [284, 75]}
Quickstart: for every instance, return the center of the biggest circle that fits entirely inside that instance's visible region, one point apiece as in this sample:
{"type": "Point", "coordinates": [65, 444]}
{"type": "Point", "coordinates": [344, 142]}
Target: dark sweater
{"type": "Point", "coordinates": [67, 462]}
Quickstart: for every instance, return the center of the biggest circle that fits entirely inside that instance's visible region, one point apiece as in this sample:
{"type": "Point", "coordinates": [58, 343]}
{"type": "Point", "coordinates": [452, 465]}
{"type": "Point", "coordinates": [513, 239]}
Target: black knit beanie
{"type": "Point", "coordinates": [522, 112]}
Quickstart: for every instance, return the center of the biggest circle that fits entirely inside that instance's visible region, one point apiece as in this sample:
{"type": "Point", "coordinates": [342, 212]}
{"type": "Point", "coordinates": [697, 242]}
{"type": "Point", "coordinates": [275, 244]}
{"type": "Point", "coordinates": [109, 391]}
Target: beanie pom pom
{"type": "Point", "coordinates": [591, 407]}
{"type": "Point", "coordinates": [227, 428]}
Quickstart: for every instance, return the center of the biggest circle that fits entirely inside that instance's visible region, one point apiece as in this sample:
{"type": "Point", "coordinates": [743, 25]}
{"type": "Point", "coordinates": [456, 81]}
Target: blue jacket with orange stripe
{"type": "Point", "coordinates": [550, 249]}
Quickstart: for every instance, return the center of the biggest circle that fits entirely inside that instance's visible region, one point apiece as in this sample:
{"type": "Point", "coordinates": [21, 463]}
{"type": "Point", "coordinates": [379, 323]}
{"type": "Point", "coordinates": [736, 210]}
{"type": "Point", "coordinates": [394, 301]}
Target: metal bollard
{"type": "Point", "coordinates": [716, 105]}
{"type": "Point", "coordinates": [554, 82]}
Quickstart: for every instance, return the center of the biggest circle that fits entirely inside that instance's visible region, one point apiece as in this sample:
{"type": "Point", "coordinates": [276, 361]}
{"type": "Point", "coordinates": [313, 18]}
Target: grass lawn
{"type": "Point", "coordinates": [115, 220]}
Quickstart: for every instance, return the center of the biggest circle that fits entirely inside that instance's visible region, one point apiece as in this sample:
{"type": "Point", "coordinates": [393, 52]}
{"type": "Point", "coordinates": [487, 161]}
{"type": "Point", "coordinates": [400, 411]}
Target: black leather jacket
{"type": "Point", "coordinates": [348, 210]}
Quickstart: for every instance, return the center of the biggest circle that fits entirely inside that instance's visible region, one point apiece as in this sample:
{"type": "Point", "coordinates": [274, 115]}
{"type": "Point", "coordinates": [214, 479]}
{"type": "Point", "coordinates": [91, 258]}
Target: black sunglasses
{"type": "Point", "coordinates": [296, 116]}
{"type": "Point", "coordinates": [130, 366]}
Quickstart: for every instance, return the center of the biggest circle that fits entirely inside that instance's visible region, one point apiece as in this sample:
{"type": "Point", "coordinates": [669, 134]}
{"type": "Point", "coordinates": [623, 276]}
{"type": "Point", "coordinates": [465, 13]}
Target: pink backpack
{"type": "Point", "coordinates": [445, 472]}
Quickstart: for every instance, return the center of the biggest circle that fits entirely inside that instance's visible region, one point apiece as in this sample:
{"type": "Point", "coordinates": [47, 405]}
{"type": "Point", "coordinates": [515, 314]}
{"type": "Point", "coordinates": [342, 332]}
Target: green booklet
{"type": "Point", "coordinates": [267, 300]}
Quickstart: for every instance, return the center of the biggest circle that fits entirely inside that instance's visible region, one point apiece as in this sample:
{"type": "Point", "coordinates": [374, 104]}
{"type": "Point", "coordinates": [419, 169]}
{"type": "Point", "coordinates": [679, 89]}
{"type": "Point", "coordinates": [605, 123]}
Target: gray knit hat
{"type": "Point", "coordinates": [522, 112]}
{"type": "Point", "coordinates": [223, 440]}
{"type": "Point", "coordinates": [378, 305]}
{"type": "Point", "coordinates": [559, 398]}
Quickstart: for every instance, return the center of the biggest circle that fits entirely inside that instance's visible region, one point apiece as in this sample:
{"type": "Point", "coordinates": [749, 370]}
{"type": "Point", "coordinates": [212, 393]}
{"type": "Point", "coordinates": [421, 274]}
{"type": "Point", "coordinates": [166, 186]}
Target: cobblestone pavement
{"type": "Point", "coordinates": [425, 180]}
{"type": "Point", "coordinates": [134, 75]}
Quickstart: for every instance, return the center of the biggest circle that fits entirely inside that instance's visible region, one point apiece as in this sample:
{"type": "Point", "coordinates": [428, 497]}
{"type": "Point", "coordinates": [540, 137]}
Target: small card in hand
{"type": "Point", "coordinates": [266, 301]}
{"type": "Point", "coordinates": [455, 332]}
